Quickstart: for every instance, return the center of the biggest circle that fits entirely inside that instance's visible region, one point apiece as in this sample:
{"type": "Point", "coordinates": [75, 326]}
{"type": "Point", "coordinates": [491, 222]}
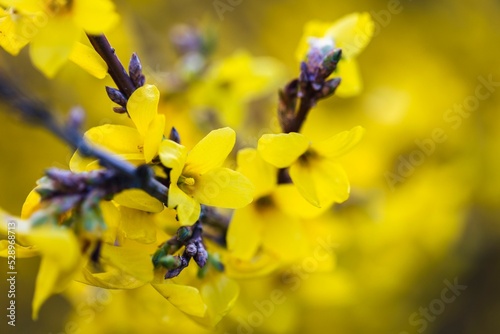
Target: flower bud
{"type": "Point", "coordinates": [191, 249]}
{"type": "Point", "coordinates": [170, 261]}
{"type": "Point", "coordinates": [116, 96]}
{"type": "Point", "coordinates": [201, 256]}
{"type": "Point", "coordinates": [183, 233]}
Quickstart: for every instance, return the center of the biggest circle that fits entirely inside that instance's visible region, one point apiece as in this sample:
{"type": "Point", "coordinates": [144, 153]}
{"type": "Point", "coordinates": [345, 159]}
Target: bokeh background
{"type": "Point", "coordinates": [408, 231]}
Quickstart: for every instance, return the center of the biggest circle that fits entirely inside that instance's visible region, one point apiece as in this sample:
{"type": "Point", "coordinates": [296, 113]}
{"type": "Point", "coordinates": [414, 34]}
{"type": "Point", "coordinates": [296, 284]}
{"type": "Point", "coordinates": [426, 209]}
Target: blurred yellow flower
{"type": "Point", "coordinates": [61, 261]}
{"type": "Point", "coordinates": [313, 167]}
{"type": "Point", "coordinates": [231, 84]}
{"type": "Point", "coordinates": [205, 301]}
{"type": "Point", "coordinates": [59, 249]}
{"type": "Point", "coordinates": [262, 224]}
{"type": "Point", "coordinates": [351, 33]}
{"type": "Point", "coordinates": [54, 28]}
{"type": "Point", "coordinates": [11, 26]}
{"type": "Point", "coordinates": [196, 177]}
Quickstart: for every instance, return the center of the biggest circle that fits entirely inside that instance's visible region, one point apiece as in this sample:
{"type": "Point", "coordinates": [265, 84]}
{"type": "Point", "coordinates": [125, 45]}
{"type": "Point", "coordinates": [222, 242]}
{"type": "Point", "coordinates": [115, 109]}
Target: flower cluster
{"type": "Point", "coordinates": [138, 203]}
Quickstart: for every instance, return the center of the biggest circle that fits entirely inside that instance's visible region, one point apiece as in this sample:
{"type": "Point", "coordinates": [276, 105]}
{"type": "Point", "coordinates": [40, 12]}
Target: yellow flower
{"type": "Point", "coordinates": [54, 28]}
{"type": "Point", "coordinates": [351, 33]}
{"type": "Point", "coordinates": [122, 268]}
{"type": "Point", "coordinates": [59, 249]}
{"type": "Point", "coordinates": [124, 252]}
{"type": "Point", "coordinates": [139, 145]}
{"type": "Point", "coordinates": [196, 177]}
{"type": "Point", "coordinates": [205, 301]}
{"type": "Point", "coordinates": [313, 167]}
{"type": "Point", "coordinates": [141, 310]}
{"type": "Point", "coordinates": [61, 261]}
{"type": "Point", "coordinates": [11, 30]}
{"type": "Point", "coordinates": [231, 84]}
{"type": "Point", "coordinates": [262, 224]}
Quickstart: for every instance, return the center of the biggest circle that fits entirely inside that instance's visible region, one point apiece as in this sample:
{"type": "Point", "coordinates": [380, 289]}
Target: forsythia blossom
{"type": "Point", "coordinates": [138, 145]}
{"type": "Point", "coordinates": [196, 176]}
{"type": "Point", "coordinates": [53, 28]}
{"type": "Point", "coordinates": [263, 224]}
{"type": "Point", "coordinates": [313, 167]}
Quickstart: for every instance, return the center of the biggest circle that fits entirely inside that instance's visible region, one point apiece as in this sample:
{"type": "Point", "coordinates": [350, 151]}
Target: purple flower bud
{"type": "Point", "coordinates": [76, 118]}
{"type": "Point", "coordinates": [120, 110]}
{"type": "Point", "coordinates": [191, 249]}
{"type": "Point", "coordinates": [116, 96]}
{"type": "Point", "coordinates": [201, 256]}
{"type": "Point", "coordinates": [135, 71]}
{"type": "Point", "coordinates": [329, 88]}
{"type": "Point", "coordinates": [174, 135]}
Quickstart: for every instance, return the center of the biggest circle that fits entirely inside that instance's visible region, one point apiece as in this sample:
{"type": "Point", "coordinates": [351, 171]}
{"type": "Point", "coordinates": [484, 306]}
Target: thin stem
{"type": "Point", "coordinates": [115, 67]}
{"type": "Point", "coordinates": [306, 103]}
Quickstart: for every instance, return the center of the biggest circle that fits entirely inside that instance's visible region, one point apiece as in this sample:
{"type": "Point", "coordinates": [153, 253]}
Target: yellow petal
{"type": "Point", "coordinates": [95, 16]}
{"type": "Point", "coordinates": [142, 107]}
{"type": "Point", "coordinates": [352, 33]}
{"type": "Point", "coordinates": [10, 225]}
{"type": "Point", "coordinates": [173, 155]}
{"type": "Point", "coordinates": [282, 236]}
{"type": "Point", "coordinates": [112, 278]}
{"type": "Point", "coordinates": [139, 200]}
{"type": "Point", "coordinates": [12, 36]}
{"type": "Point", "coordinates": [19, 251]}
{"type": "Point", "coordinates": [131, 261]}
{"type": "Point", "coordinates": [281, 150]}
{"type": "Point", "coordinates": [137, 225]}
{"type": "Point", "coordinates": [111, 216]}
{"type": "Point", "coordinates": [51, 48]}
{"type": "Point", "coordinates": [211, 151]}
{"type": "Point", "coordinates": [288, 198]}
{"type": "Point", "coordinates": [259, 266]}
{"type": "Point", "coordinates": [31, 204]}
{"type": "Point", "coordinates": [224, 188]}
{"type": "Point", "coordinates": [79, 164]}
{"type": "Point", "coordinates": [330, 179]}
{"type": "Point", "coordinates": [339, 144]}
{"type": "Point", "coordinates": [301, 177]}
{"type": "Point", "coordinates": [220, 294]}
{"type": "Point", "coordinates": [88, 59]}
{"type": "Point", "coordinates": [118, 139]}
{"type": "Point", "coordinates": [61, 261]}
{"type": "Point", "coordinates": [154, 137]}
{"type": "Point", "coordinates": [222, 89]}
{"type": "Point", "coordinates": [188, 209]}
{"type": "Point", "coordinates": [14, 227]}
{"type": "Point", "coordinates": [121, 140]}
{"type": "Point", "coordinates": [262, 175]}
{"type": "Point", "coordinates": [26, 6]}
{"type": "Point", "coordinates": [186, 298]}
{"type": "Point", "coordinates": [244, 233]}
{"type": "Point", "coordinates": [352, 83]}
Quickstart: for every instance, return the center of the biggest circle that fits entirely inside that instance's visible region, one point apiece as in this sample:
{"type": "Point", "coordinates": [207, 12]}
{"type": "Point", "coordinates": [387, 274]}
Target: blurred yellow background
{"type": "Point", "coordinates": [424, 212]}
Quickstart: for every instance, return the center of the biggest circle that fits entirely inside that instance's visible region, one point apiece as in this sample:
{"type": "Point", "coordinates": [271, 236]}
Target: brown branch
{"type": "Point", "coordinates": [115, 67]}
